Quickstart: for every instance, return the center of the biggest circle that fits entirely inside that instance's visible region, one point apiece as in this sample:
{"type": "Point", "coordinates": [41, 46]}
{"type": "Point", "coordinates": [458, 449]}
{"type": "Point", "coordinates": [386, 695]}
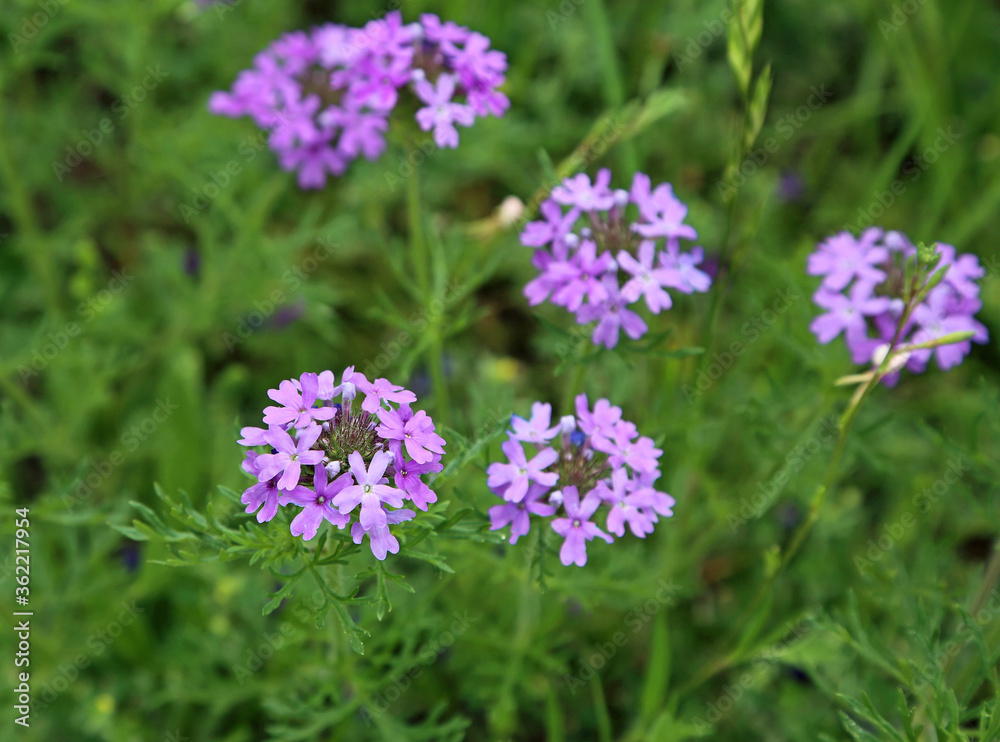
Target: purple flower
{"type": "Point", "coordinates": [557, 272]}
{"type": "Point", "coordinates": [862, 291]}
{"type": "Point", "coordinates": [589, 271]}
{"type": "Point", "coordinates": [253, 437]}
{"type": "Point", "coordinates": [847, 314]}
{"type": "Point", "coordinates": [264, 494]}
{"type": "Point", "coordinates": [441, 114]}
{"type": "Point", "coordinates": [576, 527]}
{"type": "Point", "coordinates": [963, 272]}
{"type": "Point", "coordinates": [681, 273]}
{"type": "Point", "coordinates": [316, 504]}
{"type": "Point", "coordinates": [624, 450]}
{"type": "Point", "coordinates": [347, 444]}
{"type": "Point", "coordinates": [595, 458]}
{"type": "Point", "coordinates": [842, 258]}
{"type": "Point", "coordinates": [297, 409]}
{"type": "Point", "coordinates": [583, 224]}
{"type": "Point", "coordinates": [380, 539]}
{"type": "Point", "coordinates": [512, 479]}
{"type": "Point", "coordinates": [290, 457]}
{"type": "Point", "coordinates": [516, 514]}
{"type": "Point", "coordinates": [325, 390]}
{"type": "Point", "coordinates": [407, 478]}
{"type": "Point", "coordinates": [552, 228]}
{"type": "Point", "coordinates": [628, 505]}
{"type": "Point", "coordinates": [414, 431]}
{"type": "Point", "coordinates": [935, 319]}
{"type": "Point", "coordinates": [362, 131]}
{"type": "Point", "coordinates": [313, 162]}
{"type": "Point", "coordinates": [370, 490]}
{"type": "Point", "coordinates": [449, 35]}
{"type": "Point", "coordinates": [611, 315]}
{"type": "Point", "coordinates": [600, 423]}
{"type": "Point", "coordinates": [535, 430]}
{"type": "Point", "coordinates": [580, 193]}
{"type": "Point", "coordinates": [647, 281]}
{"type": "Point", "coordinates": [662, 211]}
{"type": "Point", "coordinates": [326, 96]}
{"type": "Point", "coordinates": [382, 389]}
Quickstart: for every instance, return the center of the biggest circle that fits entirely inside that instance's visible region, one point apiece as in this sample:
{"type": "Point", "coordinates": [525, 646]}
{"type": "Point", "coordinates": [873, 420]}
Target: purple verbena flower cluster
{"type": "Point", "coordinates": [596, 258]}
{"type": "Point", "coordinates": [862, 295]}
{"type": "Point", "coordinates": [582, 462]}
{"type": "Point", "coordinates": [326, 95]}
{"type": "Point", "coordinates": [328, 458]}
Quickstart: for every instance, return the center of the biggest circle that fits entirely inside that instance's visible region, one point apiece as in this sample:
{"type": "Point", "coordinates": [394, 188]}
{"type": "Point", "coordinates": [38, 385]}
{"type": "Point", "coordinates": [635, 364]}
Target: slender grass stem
{"type": "Point", "coordinates": [423, 265]}
{"type": "Point", "coordinates": [754, 627]}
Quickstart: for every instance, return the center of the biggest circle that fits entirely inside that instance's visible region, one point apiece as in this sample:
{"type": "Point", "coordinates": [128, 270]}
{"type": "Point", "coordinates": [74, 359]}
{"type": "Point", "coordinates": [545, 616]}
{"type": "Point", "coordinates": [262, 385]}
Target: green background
{"type": "Point", "coordinates": [128, 291]}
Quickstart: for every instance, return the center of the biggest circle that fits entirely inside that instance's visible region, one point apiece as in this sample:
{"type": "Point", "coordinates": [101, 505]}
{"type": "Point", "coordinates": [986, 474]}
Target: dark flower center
{"type": "Point", "coordinates": [579, 464]}
{"type": "Point", "coordinates": [349, 433]}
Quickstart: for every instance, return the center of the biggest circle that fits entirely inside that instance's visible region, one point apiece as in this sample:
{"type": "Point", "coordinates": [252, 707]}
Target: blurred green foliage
{"type": "Point", "coordinates": [158, 273]}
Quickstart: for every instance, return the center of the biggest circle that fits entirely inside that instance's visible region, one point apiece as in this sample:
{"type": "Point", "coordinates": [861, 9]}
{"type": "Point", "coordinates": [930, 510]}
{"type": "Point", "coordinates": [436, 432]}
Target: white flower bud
{"type": "Point", "coordinates": [349, 393]}
{"type": "Point", "coordinates": [898, 360]}
{"type": "Point", "coordinates": [510, 210]}
{"type": "Point", "coordinates": [415, 30]}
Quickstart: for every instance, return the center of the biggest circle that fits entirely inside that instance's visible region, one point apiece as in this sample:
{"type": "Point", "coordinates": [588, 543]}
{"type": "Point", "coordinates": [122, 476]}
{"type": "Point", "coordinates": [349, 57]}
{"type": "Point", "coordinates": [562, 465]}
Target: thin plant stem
{"type": "Point", "coordinates": [815, 507]}
{"type": "Point", "coordinates": [572, 389]}
{"type": "Point", "coordinates": [418, 245]}
{"type": "Point", "coordinates": [422, 263]}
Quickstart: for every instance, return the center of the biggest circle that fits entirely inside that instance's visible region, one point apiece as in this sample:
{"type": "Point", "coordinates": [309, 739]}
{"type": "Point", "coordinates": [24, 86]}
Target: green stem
{"type": "Point", "coordinates": [422, 262]}
{"type": "Point", "coordinates": [438, 381]}
{"type": "Point", "coordinates": [721, 283]}
{"type": "Point", "coordinates": [572, 389]}
{"type": "Point", "coordinates": [815, 506]}
{"type": "Point", "coordinates": [522, 640]}
{"type": "Point", "coordinates": [611, 78]}
{"type": "Point", "coordinates": [990, 578]}
{"type": "Point", "coordinates": [418, 245]}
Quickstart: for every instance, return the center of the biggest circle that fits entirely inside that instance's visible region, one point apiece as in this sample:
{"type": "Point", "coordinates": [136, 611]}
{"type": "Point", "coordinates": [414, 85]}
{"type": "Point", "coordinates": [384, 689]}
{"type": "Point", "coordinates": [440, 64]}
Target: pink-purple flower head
{"type": "Point", "coordinates": [335, 456]}
{"type": "Point", "coordinates": [327, 95]}
{"type": "Point", "coordinates": [589, 461]}
{"type": "Point", "coordinates": [599, 251]}
{"type": "Point", "coordinates": [862, 295]}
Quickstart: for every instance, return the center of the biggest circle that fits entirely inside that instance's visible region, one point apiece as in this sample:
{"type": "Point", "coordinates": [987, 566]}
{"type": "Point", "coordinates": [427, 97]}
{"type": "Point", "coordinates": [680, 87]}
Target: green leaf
{"type": "Point", "coordinates": [355, 633]}
{"type": "Point", "coordinates": [867, 711]}
{"type": "Point", "coordinates": [134, 533]}
{"type": "Point", "coordinates": [601, 709]}
{"type": "Point", "coordinates": [430, 559]}
{"type": "Point", "coordinates": [854, 729]}
{"type": "Point", "coordinates": [469, 451]}
{"type": "Point", "coordinates": [285, 592]}
{"type": "Point", "coordinates": [654, 690]}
